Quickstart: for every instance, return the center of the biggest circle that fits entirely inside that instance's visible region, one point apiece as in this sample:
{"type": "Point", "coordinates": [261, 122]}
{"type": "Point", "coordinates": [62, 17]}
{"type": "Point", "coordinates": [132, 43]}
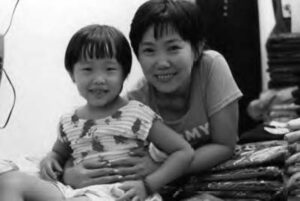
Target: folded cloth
{"type": "Point", "coordinates": [243, 185]}
{"type": "Point", "coordinates": [259, 173]}
{"type": "Point", "coordinates": [240, 194]}
{"type": "Point", "coordinates": [293, 182]}
{"type": "Point", "coordinates": [258, 134]}
{"type": "Point", "coordinates": [292, 169]}
{"type": "Point", "coordinates": [7, 166]}
{"type": "Point", "coordinates": [203, 197]}
{"type": "Point", "coordinates": [101, 192]}
{"type": "Point", "coordinates": [255, 157]}
{"type": "Point", "coordinates": [256, 146]}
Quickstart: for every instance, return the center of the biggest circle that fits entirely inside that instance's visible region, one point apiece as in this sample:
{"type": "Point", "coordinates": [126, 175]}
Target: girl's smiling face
{"type": "Point", "coordinates": [166, 60]}
{"type": "Point", "coordinates": [99, 81]}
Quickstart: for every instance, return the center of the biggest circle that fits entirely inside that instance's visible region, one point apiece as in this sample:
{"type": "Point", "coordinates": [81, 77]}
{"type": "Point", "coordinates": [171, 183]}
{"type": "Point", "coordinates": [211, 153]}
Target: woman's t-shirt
{"type": "Point", "coordinates": [212, 88]}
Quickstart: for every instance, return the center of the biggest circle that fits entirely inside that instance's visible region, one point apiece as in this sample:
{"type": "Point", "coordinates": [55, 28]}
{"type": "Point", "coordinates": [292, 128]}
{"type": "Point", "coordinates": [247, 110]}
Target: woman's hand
{"type": "Point", "coordinates": [139, 165]}
{"type": "Point", "coordinates": [134, 190]}
{"type": "Point", "coordinates": [89, 172]}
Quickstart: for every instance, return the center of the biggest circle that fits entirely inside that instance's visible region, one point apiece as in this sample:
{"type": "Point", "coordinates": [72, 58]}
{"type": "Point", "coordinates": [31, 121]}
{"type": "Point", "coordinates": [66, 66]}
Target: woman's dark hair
{"type": "Point", "coordinates": [168, 15]}
{"type": "Point", "coordinates": [98, 41]}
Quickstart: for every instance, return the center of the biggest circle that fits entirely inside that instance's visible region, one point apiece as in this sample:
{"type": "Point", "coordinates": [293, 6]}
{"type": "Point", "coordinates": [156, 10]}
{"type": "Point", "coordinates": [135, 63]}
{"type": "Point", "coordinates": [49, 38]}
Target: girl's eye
{"type": "Point", "coordinates": [111, 69]}
{"type": "Point", "coordinates": [174, 47]}
{"type": "Point", "coordinates": [86, 69]}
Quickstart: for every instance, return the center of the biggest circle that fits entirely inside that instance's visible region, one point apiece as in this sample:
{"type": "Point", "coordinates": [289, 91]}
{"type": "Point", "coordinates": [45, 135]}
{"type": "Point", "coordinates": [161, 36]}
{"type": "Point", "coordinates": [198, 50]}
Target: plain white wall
{"type": "Point", "coordinates": [34, 55]}
{"type": "Point", "coordinates": [266, 24]}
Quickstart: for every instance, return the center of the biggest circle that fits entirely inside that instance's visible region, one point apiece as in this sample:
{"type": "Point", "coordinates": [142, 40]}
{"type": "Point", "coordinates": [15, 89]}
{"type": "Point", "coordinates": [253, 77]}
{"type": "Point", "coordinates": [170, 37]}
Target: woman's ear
{"type": "Point", "coordinates": [198, 50]}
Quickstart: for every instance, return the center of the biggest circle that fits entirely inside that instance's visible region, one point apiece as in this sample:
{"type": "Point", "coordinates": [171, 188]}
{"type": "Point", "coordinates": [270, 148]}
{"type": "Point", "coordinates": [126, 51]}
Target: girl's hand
{"type": "Point", "coordinates": [138, 166]}
{"type": "Point", "coordinates": [50, 169]}
{"type": "Point", "coordinates": [89, 172]}
{"type": "Point", "coordinates": [134, 190]}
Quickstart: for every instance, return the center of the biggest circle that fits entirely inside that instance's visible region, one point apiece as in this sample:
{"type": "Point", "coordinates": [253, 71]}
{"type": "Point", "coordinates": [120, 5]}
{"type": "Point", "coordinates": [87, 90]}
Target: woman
{"type": "Point", "coordinates": [190, 87]}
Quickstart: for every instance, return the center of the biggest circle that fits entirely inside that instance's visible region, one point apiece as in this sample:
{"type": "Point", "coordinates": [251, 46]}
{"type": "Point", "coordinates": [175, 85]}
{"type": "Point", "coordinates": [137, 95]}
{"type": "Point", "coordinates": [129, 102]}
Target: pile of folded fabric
{"type": "Point", "coordinates": [255, 173]}
{"type": "Point", "coordinates": [283, 51]}
{"type": "Point", "coordinates": [285, 105]}
{"type": "Point", "coordinates": [292, 163]}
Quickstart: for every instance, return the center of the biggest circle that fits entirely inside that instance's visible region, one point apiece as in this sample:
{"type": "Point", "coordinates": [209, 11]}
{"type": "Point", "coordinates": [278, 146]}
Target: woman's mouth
{"type": "Point", "coordinates": [165, 77]}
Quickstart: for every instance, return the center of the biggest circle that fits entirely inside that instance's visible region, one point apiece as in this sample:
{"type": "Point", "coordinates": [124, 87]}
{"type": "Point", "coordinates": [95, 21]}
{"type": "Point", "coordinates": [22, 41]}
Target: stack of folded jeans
{"type": "Point", "coordinates": [283, 51]}
{"type": "Point", "coordinates": [254, 173]}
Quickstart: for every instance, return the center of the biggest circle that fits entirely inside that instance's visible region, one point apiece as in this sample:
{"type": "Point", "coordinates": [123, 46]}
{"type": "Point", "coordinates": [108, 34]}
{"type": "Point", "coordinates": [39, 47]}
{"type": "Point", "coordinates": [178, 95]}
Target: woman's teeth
{"type": "Point", "coordinates": [165, 77]}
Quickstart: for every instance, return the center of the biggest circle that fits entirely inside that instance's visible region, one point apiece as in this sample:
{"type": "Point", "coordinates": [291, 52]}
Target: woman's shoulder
{"type": "Point", "coordinates": [211, 55]}
{"type": "Point", "coordinates": [139, 91]}
{"type": "Point", "coordinates": [212, 60]}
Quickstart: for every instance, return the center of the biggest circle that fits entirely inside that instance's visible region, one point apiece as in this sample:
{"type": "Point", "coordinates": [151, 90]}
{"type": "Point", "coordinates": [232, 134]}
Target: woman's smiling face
{"type": "Point", "coordinates": [166, 60]}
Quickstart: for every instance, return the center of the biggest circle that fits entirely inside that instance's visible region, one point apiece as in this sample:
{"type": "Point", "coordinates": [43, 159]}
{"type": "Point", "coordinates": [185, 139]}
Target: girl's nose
{"type": "Point", "coordinates": [99, 80]}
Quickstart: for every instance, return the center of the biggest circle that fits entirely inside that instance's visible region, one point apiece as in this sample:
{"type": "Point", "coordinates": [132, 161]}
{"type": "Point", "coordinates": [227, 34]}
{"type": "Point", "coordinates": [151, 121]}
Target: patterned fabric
{"type": "Point", "coordinates": [109, 138]}
{"type": "Point", "coordinates": [103, 192]}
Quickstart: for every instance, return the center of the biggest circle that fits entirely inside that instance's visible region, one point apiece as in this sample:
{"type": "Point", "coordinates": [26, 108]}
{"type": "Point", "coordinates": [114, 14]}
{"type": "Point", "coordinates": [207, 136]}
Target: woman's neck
{"type": "Point", "coordinates": [173, 105]}
{"type": "Point", "coordinates": [182, 92]}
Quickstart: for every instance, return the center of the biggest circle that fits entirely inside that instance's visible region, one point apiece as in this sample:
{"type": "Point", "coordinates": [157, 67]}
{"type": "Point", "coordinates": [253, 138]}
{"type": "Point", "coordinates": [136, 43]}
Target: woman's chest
{"type": "Point", "coordinates": [188, 118]}
{"type": "Point", "coordinates": [172, 109]}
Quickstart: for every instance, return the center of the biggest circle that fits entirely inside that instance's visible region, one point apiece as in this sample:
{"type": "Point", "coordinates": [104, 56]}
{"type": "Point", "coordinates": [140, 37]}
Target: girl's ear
{"type": "Point", "coordinates": [72, 76]}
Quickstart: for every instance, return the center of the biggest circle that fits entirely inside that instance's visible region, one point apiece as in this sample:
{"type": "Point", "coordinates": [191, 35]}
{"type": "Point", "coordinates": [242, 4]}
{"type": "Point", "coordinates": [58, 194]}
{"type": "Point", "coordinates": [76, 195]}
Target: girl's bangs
{"type": "Point", "coordinates": [97, 49]}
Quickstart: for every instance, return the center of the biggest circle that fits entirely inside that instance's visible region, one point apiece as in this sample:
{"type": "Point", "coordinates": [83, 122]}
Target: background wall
{"type": "Point", "coordinates": [267, 23]}
{"type": "Point", "coordinates": [34, 53]}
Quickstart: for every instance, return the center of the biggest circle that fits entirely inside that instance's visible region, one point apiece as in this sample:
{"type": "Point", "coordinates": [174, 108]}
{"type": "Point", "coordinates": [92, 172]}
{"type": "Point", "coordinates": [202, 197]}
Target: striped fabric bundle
{"type": "Point", "coordinates": [255, 173]}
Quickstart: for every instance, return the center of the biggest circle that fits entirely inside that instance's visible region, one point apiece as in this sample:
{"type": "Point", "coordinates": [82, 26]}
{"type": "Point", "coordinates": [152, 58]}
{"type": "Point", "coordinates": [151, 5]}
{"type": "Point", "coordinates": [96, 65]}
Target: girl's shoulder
{"type": "Point", "coordinates": [136, 105]}
{"type": "Point", "coordinates": [140, 110]}
{"type": "Point", "coordinates": [70, 115]}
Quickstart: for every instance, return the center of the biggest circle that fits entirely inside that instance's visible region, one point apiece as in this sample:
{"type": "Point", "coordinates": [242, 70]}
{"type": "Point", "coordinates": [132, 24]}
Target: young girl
{"type": "Point", "coordinates": [106, 128]}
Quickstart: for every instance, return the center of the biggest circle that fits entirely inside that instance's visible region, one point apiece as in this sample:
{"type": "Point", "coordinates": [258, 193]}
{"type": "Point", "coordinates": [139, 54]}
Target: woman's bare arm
{"type": "Point", "coordinates": [224, 132]}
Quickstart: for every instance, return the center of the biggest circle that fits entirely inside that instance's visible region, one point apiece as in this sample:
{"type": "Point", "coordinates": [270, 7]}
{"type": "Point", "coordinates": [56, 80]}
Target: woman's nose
{"type": "Point", "coordinates": [162, 61]}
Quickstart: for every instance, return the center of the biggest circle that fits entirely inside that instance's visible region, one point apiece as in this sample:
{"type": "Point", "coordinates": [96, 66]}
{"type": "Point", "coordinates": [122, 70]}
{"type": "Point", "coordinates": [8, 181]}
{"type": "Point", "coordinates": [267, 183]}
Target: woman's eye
{"type": "Point", "coordinates": [148, 50]}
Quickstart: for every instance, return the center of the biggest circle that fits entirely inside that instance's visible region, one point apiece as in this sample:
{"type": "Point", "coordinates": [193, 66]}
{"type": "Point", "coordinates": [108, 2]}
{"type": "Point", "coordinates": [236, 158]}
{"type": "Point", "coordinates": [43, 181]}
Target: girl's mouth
{"type": "Point", "coordinates": [98, 92]}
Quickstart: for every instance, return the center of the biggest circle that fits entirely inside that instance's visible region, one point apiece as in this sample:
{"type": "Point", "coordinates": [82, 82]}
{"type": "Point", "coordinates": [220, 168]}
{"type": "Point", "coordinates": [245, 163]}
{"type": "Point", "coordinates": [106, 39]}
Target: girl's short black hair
{"type": "Point", "coordinates": [181, 16]}
{"type": "Point", "coordinates": [98, 41]}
